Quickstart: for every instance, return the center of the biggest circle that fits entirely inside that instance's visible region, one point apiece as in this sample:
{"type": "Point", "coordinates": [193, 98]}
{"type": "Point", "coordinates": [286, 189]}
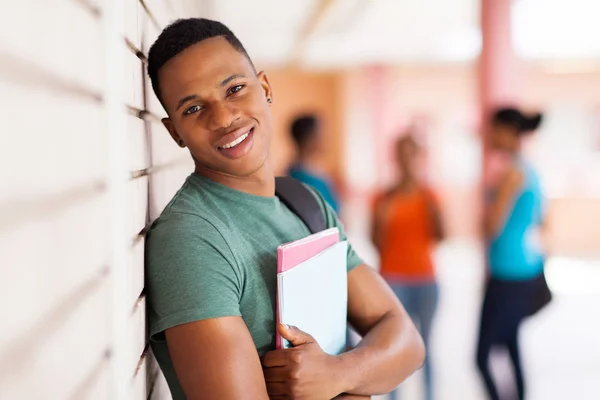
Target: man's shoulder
{"type": "Point", "coordinates": [188, 210]}
{"type": "Point", "coordinates": [186, 240]}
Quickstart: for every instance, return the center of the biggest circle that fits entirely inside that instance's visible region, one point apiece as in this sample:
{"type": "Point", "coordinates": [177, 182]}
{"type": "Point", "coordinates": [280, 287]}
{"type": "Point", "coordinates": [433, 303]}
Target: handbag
{"type": "Point", "coordinates": [542, 295]}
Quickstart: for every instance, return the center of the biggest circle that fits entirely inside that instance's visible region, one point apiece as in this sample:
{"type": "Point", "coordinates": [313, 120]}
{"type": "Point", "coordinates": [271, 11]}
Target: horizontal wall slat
{"type": "Point", "coordinates": [92, 6]}
{"type": "Point", "coordinates": [138, 201]}
{"type": "Point", "coordinates": [139, 332]}
{"type": "Point", "coordinates": [144, 376]}
{"type": "Point", "coordinates": [139, 157]}
{"type": "Point", "coordinates": [152, 104]}
{"type": "Point", "coordinates": [149, 37]}
{"type": "Point", "coordinates": [58, 143]}
{"type": "Point", "coordinates": [20, 71]}
{"type": "Point", "coordinates": [161, 10]}
{"type": "Point", "coordinates": [97, 385]}
{"type": "Point", "coordinates": [136, 273]}
{"type": "Point", "coordinates": [134, 84]}
{"type": "Point", "coordinates": [99, 3]}
{"type": "Point", "coordinates": [160, 390]}
{"type": "Point", "coordinates": [164, 149]}
{"type": "Point", "coordinates": [150, 32]}
{"type": "Point", "coordinates": [50, 43]}
{"type": "Point", "coordinates": [47, 259]}
{"type": "Point", "coordinates": [133, 20]}
{"type": "Point", "coordinates": [52, 363]}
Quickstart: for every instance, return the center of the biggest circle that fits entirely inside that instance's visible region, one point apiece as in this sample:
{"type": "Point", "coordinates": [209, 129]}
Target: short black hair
{"type": "Point", "coordinates": [515, 118]}
{"type": "Point", "coordinates": [303, 128]}
{"type": "Point", "coordinates": [182, 34]}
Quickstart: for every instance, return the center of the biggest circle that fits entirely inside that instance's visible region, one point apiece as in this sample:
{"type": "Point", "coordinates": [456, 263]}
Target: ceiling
{"type": "Point", "coordinates": [343, 33]}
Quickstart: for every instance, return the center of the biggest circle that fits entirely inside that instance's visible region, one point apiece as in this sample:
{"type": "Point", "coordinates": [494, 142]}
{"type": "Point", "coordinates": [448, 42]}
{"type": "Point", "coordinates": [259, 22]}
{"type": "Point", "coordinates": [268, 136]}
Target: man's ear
{"type": "Point", "coordinates": [171, 128]}
{"type": "Point", "coordinates": [264, 82]}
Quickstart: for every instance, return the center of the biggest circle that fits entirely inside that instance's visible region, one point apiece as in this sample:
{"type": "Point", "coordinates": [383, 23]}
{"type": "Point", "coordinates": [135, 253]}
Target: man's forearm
{"type": "Point", "coordinates": [388, 354]}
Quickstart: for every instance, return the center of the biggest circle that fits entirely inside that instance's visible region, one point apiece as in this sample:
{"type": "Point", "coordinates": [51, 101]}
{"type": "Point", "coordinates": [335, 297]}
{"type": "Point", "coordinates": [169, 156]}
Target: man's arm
{"type": "Point", "coordinates": [391, 349]}
{"type": "Point", "coordinates": [216, 359]}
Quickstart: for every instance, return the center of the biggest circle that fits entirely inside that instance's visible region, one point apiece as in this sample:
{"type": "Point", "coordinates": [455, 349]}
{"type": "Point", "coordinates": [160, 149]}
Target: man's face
{"type": "Point", "coordinates": [217, 107]}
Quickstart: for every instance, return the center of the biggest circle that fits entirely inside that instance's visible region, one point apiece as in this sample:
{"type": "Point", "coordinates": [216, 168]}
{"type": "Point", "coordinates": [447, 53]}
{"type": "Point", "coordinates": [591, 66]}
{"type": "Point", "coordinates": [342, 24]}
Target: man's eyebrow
{"type": "Point", "coordinates": [195, 96]}
{"type": "Point", "coordinates": [185, 100]}
{"type": "Point", "coordinates": [232, 77]}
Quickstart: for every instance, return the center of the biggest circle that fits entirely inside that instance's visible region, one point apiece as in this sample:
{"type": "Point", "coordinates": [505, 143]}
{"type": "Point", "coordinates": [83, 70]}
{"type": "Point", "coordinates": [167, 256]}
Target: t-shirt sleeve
{"type": "Point", "coordinates": [191, 274]}
{"type": "Point", "coordinates": [332, 221]}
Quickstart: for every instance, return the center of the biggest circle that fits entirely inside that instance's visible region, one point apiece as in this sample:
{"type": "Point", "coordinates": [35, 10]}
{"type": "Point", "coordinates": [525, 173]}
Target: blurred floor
{"type": "Point", "coordinates": [560, 345]}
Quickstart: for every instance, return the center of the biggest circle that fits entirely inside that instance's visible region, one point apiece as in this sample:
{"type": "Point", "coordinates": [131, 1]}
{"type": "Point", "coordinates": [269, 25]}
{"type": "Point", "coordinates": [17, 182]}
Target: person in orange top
{"type": "Point", "coordinates": [406, 226]}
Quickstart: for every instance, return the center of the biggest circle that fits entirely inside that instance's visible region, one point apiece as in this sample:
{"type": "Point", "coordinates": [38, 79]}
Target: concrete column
{"type": "Point", "coordinates": [499, 73]}
{"type": "Point", "coordinates": [499, 69]}
{"type": "Point", "coordinates": [499, 79]}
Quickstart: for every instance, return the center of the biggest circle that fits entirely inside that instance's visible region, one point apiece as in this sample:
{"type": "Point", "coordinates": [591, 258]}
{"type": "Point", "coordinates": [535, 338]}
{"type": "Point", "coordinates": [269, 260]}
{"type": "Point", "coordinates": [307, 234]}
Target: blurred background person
{"type": "Point", "coordinates": [307, 134]}
{"type": "Point", "coordinates": [515, 257]}
{"type": "Point", "coordinates": [406, 226]}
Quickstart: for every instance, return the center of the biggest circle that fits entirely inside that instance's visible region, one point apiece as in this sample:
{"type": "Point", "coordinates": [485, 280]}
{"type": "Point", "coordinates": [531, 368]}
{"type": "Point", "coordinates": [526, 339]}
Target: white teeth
{"type": "Point", "coordinates": [236, 141]}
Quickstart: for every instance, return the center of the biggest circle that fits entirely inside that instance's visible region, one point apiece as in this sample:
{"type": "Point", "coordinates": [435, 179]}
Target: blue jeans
{"type": "Point", "coordinates": [420, 301]}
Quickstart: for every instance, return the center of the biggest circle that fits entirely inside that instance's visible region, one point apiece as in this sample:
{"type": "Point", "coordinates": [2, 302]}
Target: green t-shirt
{"type": "Point", "coordinates": [213, 253]}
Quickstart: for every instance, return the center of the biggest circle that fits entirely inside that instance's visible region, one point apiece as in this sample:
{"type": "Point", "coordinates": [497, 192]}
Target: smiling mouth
{"type": "Point", "coordinates": [237, 141]}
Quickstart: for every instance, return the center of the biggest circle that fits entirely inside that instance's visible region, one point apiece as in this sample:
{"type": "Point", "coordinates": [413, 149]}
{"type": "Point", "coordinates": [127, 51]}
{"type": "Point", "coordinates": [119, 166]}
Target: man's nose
{"type": "Point", "coordinates": [222, 115]}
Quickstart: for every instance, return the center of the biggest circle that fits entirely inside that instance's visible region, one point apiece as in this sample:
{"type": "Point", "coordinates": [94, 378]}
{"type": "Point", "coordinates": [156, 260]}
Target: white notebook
{"type": "Point", "coordinates": [313, 296]}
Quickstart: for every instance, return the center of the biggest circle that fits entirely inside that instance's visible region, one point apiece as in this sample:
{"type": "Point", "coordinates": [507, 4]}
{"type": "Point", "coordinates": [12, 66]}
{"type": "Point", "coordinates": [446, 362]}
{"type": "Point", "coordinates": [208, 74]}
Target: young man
{"type": "Point", "coordinates": [211, 256]}
{"type": "Point", "coordinates": [308, 137]}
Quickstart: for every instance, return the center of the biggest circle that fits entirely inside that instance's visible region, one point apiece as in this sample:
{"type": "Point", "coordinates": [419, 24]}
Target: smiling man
{"type": "Point", "coordinates": [211, 255]}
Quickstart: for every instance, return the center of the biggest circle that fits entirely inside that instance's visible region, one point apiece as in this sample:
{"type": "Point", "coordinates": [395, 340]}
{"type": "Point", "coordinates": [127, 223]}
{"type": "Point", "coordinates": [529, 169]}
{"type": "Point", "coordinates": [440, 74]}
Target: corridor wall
{"type": "Point", "coordinates": [86, 165]}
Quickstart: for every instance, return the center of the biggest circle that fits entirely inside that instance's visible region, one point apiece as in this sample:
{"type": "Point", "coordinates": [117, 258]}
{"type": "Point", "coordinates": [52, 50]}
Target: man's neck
{"type": "Point", "coordinates": [259, 183]}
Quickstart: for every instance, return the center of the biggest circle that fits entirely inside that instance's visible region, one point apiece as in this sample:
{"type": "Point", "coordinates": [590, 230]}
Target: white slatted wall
{"type": "Point", "coordinates": [57, 231]}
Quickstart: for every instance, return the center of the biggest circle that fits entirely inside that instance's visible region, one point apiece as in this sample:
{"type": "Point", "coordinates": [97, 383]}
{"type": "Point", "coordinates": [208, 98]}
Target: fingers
{"type": "Point", "coordinates": [294, 335]}
{"type": "Point", "coordinates": [278, 358]}
{"type": "Point", "coordinates": [277, 389]}
{"type": "Point", "coordinates": [276, 374]}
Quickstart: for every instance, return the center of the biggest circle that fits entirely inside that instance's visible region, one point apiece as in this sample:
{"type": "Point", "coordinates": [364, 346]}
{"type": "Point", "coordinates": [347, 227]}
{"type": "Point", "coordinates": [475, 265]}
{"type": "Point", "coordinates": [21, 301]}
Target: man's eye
{"type": "Point", "coordinates": [236, 89]}
{"type": "Point", "coordinates": [192, 110]}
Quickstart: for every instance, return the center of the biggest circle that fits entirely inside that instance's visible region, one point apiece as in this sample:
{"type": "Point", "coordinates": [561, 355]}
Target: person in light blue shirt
{"type": "Point", "coordinates": [514, 254]}
{"type": "Point", "coordinates": [307, 134]}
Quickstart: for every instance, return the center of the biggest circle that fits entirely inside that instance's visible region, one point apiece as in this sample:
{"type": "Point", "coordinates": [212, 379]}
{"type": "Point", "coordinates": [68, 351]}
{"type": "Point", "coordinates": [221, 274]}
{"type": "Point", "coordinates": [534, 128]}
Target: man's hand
{"type": "Point", "coordinates": [302, 372]}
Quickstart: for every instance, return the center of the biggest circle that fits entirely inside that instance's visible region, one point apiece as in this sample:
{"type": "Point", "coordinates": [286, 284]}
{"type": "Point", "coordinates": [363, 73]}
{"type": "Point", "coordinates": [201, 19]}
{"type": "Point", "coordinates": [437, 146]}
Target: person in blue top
{"type": "Point", "coordinates": [515, 258]}
{"type": "Point", "coordinates": [307, 135]}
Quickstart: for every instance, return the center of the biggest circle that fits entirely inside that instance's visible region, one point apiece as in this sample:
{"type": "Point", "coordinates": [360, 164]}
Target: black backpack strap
{"type": "Point", "coordinates": [301, 201]}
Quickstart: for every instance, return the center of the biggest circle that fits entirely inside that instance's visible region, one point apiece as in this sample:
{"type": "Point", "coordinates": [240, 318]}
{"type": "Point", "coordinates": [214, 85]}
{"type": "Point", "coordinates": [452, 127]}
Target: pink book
{"type": "Point", "coordinates": [294, 253]}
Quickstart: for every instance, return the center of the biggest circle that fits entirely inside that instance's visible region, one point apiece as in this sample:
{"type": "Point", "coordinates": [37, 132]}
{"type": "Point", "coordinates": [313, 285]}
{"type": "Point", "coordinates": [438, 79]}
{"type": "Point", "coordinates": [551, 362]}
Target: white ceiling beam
{"type": "Point", "coordinates": [310, 27]}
